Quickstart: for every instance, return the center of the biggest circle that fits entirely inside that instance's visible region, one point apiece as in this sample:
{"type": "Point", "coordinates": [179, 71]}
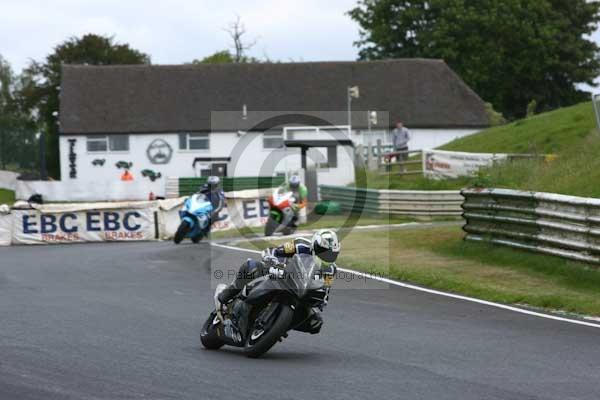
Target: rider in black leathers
{"type": "Point", "coordinates": [324, 245]}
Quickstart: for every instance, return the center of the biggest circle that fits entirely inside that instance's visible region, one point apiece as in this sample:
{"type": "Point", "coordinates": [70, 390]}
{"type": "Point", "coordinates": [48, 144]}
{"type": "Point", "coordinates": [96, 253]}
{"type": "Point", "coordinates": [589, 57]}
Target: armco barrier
{"type": "Point", "coordinates": [565, 226]}
{"type": "Point", "coordinates": [395, 202]}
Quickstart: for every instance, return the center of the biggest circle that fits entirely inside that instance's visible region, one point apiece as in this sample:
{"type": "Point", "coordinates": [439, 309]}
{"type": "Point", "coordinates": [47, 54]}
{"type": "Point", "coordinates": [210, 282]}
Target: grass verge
{"type": "Point", "coordinates": [568, 132]}
{"type": "Point", "coordinates": [438, 258]}
{"type": "Point", "coordinates": [321, 222]}
{"type": "Point", "coordinates": [7, 196]}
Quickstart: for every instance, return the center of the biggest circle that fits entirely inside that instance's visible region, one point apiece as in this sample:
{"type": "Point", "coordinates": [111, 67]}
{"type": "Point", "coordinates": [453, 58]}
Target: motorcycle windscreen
{"type": "Point", "coordinates": [303, 274]}
{"type": "Point", "coordinates": [199, 204]}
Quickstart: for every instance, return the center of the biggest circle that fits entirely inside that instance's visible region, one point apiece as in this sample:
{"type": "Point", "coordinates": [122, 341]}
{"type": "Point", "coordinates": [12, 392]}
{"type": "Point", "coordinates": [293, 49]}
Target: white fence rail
{"type": "Point", "coordinates": [565, 226]}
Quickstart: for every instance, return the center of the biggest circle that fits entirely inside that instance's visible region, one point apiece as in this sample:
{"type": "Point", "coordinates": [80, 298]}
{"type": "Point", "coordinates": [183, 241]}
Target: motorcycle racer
{"type": "Point", "coordinates": [324, 246]}
{"type": "Point", "coordinates": [214, 193]}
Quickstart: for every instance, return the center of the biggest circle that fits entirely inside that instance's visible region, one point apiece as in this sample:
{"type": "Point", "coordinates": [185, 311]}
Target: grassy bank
{"type": "Point", "coordinates": [7, 196]}
{"type": "Point", "coordinates": [569, 133]}
{"type": "Point", "coordinates": [438, 258]}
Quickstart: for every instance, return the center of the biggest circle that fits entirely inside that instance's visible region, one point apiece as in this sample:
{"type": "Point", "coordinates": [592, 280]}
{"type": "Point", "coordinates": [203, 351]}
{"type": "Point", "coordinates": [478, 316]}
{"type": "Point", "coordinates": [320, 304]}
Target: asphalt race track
{"type": "Point", "coordinates": [121, 321]}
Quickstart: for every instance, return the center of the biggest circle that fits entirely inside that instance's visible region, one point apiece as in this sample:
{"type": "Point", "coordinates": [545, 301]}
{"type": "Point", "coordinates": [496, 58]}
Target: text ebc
{"type": "Point", "coordinates": [95, 221]}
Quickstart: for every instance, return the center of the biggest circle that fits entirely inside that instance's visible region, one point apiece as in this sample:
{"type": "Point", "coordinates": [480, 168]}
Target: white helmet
{"type": "Point", "coordinates": [294, 182]}
{"type": "Point", "coordinates": [326, 245]}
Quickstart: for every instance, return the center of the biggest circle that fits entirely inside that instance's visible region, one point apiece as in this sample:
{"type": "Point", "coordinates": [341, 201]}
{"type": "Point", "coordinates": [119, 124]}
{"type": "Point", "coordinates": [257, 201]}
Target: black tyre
{"type": "Point", "coordinates": [197, 239]}
{"type": "Point", "coordinates": [289, 230]}
{"type": "Point", "coordinates": [271, 226]}
{"type": "Point", "coordinates": [208, 334]}
{"type": "Point", "coordinates": [183, 230]}
{"type": "Point", "coordinates": [257, 346]}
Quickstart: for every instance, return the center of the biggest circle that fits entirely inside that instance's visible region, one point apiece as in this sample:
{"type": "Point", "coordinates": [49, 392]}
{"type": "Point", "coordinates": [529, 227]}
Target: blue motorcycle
{"type": "Point", "coordinates": [195, 218]}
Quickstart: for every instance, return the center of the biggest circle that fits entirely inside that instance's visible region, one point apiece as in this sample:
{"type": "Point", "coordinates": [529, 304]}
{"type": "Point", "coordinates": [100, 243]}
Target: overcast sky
{"type": "Point", "coordinates": [178, 31]}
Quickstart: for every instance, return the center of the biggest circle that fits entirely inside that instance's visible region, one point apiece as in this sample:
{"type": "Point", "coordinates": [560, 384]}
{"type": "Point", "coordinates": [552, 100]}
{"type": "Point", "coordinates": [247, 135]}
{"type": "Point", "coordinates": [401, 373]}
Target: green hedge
{"type": "Point", "coordinates": [188, 186]}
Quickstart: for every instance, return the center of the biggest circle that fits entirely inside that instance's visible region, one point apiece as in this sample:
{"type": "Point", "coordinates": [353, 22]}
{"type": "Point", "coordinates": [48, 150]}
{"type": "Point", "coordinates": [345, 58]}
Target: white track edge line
{"type": "Point", "coordinates": [439, 293]}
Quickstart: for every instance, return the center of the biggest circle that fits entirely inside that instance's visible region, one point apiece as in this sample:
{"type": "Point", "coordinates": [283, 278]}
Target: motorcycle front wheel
{"type": "Point", "coordinates": [208, 335]}
{"type": "Point", "coordinates": [197, 239]}
{"type": "Point", "coordinates": [260, 340]}
{"type": "Point", "coordinates": [182, 231]}
{"type": "Point", "coordinates": [271, 226]}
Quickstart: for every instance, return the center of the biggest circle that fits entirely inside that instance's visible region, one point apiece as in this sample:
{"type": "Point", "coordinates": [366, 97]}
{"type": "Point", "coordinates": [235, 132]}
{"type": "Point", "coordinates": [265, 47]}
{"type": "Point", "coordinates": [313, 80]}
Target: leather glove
{"type": "Point", "coordinates": [276, 272]}
{"type": "Point", "coordinates": [266, 253]}
{"type": "Point", "coordinates": [271, 261]}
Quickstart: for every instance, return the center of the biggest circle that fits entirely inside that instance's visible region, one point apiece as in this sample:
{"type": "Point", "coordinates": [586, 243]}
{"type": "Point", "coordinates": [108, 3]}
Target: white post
{"type": "Point", "coordinates": [349, 111]}
{"type": "Point", "coordinates": [596, 110]}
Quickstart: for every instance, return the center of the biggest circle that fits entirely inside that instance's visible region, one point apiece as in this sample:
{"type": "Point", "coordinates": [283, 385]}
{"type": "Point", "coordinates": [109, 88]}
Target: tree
{"type": "Point", "coordinates": [509, 51]}
{"type": "Point", "coordinates": [236, 31]}
{"type": "Point", "coordinates": [43, 90]}
{"type": "Point", "coordinates": [219, 57]}
{"type": "Point", "coordinates": [18, 142]}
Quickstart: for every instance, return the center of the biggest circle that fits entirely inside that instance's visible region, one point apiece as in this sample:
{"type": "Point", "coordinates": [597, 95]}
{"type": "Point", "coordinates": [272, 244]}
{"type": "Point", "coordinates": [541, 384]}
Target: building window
{"type": "Point", "coordinates": [118, 143]}
{"type": "Point", "coordinates": [194, 141]}
{"type": "Point", "coordinates": [272, 140]}
{"type": "Point", "coordinates": [103, 143]}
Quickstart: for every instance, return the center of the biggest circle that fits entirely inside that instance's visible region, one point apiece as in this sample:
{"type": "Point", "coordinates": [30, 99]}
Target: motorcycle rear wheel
{"type": "Point", "coordinates": [182, 231]}
{"type": "Point", "coordinates": [289, 230]}
{"type": "Point", "coordinates": [208, 335]}
{"type": "Point", "coordinates": [270, 337]}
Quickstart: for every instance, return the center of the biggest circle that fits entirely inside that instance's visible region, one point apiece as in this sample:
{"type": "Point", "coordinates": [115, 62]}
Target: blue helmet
{"type": "Point", "coordinates": [212, 183]}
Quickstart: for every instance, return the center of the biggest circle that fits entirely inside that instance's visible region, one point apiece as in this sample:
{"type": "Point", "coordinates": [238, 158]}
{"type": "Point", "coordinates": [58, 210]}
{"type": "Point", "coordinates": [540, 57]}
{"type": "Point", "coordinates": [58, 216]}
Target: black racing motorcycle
{"type": "Point", "coordinates": [274, 304]}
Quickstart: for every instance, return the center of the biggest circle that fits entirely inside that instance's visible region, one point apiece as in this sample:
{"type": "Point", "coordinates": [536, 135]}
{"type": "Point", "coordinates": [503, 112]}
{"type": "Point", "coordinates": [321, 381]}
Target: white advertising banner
{"type": "Point", "coordinates": [31, 226]}
{"type": "Point", "coordinates": [238, 213]}
{"type": "Point", "coordinates": [243, 209]}
{"type": "Point", "coordinates": [440, 164]}
{"type": "Point", "coordinates": [6, 223]}
{"type": "Point", "coordinates": [121, 221]}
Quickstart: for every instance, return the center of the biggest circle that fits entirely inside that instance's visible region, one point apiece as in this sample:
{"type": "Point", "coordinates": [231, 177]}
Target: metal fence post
{"type": "Point", "coordinates": [379, 154]}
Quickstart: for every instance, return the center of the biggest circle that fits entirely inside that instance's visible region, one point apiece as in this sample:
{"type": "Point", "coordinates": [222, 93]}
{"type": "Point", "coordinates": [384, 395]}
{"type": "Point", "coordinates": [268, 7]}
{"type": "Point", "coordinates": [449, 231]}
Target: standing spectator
{"type": "Point", "coordinates": [401, 138]}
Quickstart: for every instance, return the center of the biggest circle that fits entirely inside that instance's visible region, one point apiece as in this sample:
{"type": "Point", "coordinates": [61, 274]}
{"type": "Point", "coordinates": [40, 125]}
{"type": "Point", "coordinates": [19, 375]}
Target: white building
{"type": "Point", "coordinates": [251, 119]}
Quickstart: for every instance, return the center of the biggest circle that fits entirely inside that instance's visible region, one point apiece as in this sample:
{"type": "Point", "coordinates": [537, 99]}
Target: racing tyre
{"type": "Point", "coordinates": [271, 226]}
{"type": "Point", "coordinates": [197, 239]}
{"type": "Point", "coordinates": [260, 340]}
{"type": "Point", "coordinates": [208, 336]}
{"type": "Point", "coordinates": [289, 230]}
{"type": "Point", "coordinates": [183, 230]}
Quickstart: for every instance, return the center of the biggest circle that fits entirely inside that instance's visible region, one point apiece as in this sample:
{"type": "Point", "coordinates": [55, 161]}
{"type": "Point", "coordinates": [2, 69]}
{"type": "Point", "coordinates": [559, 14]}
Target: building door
{"type": "Point", "coordinates": [219, 169]}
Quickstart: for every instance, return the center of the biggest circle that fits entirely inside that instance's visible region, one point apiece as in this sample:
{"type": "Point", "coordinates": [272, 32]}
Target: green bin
{"type": "Point", "coordinates": [328, 207]}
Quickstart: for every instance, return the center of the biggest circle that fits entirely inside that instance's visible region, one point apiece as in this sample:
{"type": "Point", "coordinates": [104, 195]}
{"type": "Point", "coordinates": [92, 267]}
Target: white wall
{"type": "Point", "coordinates": [248, 157]}
{"type": "Point", "coordinates": [86, 191]}
{"type": "Point", "coordinates": [420, 138]}
{"type": "Point", "coordinates": [180, 164]}
{"type": "Point", "coordinates": [8, 180]}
